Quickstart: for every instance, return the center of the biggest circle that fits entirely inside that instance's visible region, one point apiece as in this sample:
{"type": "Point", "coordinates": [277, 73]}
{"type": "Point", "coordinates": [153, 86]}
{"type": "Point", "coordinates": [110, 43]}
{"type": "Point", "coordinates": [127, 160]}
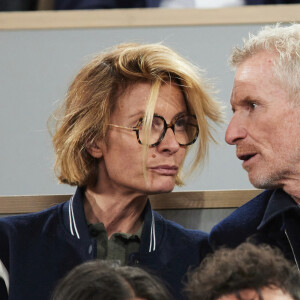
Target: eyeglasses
{"type": "Point", "coordinates": [185, 129]}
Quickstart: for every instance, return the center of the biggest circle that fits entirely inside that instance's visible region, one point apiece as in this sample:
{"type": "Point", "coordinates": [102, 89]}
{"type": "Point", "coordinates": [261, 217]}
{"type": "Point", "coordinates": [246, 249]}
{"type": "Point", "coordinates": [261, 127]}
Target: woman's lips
{"type": "Point", "coordinates": [165, 170]}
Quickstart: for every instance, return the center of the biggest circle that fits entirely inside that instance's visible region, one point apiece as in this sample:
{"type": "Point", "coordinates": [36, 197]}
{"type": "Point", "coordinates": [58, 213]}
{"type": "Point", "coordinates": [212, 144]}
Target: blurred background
{"type": "Point", "coordinates": [23, 5]}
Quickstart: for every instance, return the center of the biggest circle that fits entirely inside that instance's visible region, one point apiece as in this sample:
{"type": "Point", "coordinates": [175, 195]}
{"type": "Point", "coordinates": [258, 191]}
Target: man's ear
{"type": "Point", "coordinates": [94, 149]}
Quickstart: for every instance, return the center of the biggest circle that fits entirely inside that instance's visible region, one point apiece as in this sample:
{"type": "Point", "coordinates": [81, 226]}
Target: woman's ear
{"type": "Point", "coordinates": [95, 149]}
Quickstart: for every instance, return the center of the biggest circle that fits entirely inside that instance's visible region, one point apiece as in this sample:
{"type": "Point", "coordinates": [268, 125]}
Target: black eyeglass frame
{"type": "Point", "coordinates": [166, 127]}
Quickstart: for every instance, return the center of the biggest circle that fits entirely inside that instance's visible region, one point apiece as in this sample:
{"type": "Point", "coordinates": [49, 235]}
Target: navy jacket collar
{"type": "Point", "coordinates": [76, 224]}
{"type": "Point", "coordinates": [279, 203]}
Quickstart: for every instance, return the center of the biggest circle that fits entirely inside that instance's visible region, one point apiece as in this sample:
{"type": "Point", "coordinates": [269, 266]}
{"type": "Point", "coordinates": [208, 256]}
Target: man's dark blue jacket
{"type": "Point", "coordinates": [38, 249]}
{"type": "Point", "coordinates": [272, 217]}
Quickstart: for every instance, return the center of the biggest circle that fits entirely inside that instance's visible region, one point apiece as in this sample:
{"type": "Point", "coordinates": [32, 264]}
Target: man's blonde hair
{"type": "Point", "coordinates": [84, 116]}
{"type": "Point", "coordinates": [284, 42]}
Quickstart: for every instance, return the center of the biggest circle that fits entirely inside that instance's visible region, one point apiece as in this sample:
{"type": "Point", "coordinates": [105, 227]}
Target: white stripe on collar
{"type": "Point", "coordinates": [72, 219]}
{"type": "Point", "coordinates": [4, 275]}
{"type": "Point", "coordinates": [152, 247]}
{"type": "Point", "coordinates": [152, 236]}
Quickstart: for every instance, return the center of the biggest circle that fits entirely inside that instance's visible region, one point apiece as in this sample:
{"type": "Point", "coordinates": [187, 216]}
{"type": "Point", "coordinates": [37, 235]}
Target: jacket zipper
{"type": "Point", "coordinates": [292, 249]}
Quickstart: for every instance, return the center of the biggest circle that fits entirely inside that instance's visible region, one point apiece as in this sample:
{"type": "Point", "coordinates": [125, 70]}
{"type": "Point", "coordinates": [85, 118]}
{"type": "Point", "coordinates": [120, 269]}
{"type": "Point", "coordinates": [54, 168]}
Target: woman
{"type": "Point", "coordinates": [122, 134]}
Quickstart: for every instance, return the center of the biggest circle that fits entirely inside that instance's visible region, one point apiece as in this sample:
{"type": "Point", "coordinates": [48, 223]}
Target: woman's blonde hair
{"type": "Point", "coordinates": [84, 116]}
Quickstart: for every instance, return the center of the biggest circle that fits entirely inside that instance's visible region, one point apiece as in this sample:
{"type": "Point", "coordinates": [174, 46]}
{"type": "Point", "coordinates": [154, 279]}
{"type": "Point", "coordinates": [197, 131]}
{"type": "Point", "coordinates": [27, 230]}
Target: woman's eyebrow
{"type": "Point", "coordinates": [182, 113]}
{"type": "Point", "coordinates": [141, 113]}
{"type": "Point", "coordinates": [137, 114]}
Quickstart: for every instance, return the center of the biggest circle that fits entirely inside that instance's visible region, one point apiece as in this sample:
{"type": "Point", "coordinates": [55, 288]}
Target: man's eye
{"type": "Point", "coordinates": [252, 105]}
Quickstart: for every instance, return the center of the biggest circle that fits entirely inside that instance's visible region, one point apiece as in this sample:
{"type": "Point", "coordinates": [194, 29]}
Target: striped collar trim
{"type": "Point", "coordinates": [73, 227]}
{"type": "Point", "coordinates": [4, 275]}
{"type": "Point", "coordinates": [74, 230]}
{"type": "Point", "coordinates": [152, 246]}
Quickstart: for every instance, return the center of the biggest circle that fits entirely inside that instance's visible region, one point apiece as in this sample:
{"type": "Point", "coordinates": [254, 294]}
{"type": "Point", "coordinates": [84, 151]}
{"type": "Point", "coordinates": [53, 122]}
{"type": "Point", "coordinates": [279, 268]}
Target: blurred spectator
{"type": "Point", "coordinates": [265, 2]}
{"type": "Point", "coordinates": [247, 272]}
{"type": "Point", "coordinates": [100, 280]}
{"type": "Point", "coordinates": [177, 3]}
{"type": "Point", "coordinates": [15, 5]}
{"type": "Point", "coordinates": [218, 3]}
{"type": "Point", "coordinates": [19, 5]}
{"type": "Point", "coordinates": [93, 4]}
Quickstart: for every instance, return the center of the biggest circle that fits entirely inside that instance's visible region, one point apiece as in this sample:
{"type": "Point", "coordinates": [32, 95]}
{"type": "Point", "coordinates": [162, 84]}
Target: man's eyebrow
{"type": "Point", "coordinates": [244, 101]}
{"type": "Point", "coordinates": [248, 99]}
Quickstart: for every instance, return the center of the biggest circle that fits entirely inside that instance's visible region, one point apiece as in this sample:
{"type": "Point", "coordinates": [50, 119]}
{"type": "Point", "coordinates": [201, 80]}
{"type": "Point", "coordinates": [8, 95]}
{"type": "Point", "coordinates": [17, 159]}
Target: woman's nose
{"type": "Point", "coordinates": [169, 142]}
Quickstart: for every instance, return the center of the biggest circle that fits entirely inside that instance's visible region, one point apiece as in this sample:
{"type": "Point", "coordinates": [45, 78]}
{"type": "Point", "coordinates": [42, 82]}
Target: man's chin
{"type": "Point", "coordinates": [262, 182]}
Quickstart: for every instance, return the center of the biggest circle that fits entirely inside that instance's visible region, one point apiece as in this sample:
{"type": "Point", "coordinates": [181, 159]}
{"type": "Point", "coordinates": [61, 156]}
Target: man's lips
{"type": "Point", "coordinates": [245, 152]}
{"type": "Point", "coordinates": [165, 169]}
{"type": "Point", "coordinates": [245, 156]}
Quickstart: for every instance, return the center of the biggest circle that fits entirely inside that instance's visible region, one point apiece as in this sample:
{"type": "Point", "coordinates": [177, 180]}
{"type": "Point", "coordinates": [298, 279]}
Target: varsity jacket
{"type": "Point", "coordinates": [38, 249]}
{"type": "Point", "coordinates": [272, 217]}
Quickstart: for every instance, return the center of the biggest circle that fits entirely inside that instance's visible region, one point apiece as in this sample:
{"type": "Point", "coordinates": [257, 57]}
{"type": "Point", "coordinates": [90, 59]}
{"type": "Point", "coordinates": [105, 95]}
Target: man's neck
{"type": "Point", "coordinates": [293, 189]}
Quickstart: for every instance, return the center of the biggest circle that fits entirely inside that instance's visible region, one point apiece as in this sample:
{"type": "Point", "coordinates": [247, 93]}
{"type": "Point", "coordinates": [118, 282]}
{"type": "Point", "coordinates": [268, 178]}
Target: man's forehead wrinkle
{"type": "Point", "coordinates": [242, 89]}
{"type": "Point", "coordinates": [242, 83]}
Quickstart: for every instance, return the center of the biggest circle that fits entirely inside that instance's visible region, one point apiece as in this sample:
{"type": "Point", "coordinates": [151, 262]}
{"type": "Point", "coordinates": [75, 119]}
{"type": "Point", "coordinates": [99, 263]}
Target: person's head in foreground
{"type": "Point", "coordinates": [100, 280]}
{"type": "Point", "coordinates": [248, 272]}
{"type": "Point", "coordinates": [129, 118]}
{"type": "Point", "coordinates": [265, 126]}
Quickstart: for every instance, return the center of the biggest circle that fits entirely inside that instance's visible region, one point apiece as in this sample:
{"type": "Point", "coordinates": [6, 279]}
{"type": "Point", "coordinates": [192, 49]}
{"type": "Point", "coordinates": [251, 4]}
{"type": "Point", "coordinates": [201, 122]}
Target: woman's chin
{"type": "Point", "coordinates": [161, 188]}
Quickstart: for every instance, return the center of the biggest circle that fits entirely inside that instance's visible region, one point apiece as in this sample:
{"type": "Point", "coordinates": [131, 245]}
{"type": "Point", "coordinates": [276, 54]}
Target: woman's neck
{"type": "Point", "coordinates": [118, 213]}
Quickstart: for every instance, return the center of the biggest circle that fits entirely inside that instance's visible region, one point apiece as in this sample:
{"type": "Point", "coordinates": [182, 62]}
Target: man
{"type": "Point", "coordinates": [248, 272]}
{"type": "Point", "coordinates": [265, 128]}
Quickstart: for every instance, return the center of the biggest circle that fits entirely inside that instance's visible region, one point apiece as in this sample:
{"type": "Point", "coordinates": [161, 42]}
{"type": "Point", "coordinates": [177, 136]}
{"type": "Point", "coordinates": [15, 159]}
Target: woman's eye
{"type": "Point", "coordinates": [181, 123]}
{"type": "Point", "coordinates": [139, 124]}
{"type": "Point", "coordinates": [156, 122]}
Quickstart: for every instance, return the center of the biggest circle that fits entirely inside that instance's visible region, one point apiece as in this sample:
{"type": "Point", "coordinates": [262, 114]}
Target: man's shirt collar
{"type": "Point", "coordinates": [279, 203]}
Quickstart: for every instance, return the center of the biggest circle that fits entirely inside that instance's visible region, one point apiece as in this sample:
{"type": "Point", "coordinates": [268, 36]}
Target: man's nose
{"type": "Point", "coordinates": [236, 131]}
